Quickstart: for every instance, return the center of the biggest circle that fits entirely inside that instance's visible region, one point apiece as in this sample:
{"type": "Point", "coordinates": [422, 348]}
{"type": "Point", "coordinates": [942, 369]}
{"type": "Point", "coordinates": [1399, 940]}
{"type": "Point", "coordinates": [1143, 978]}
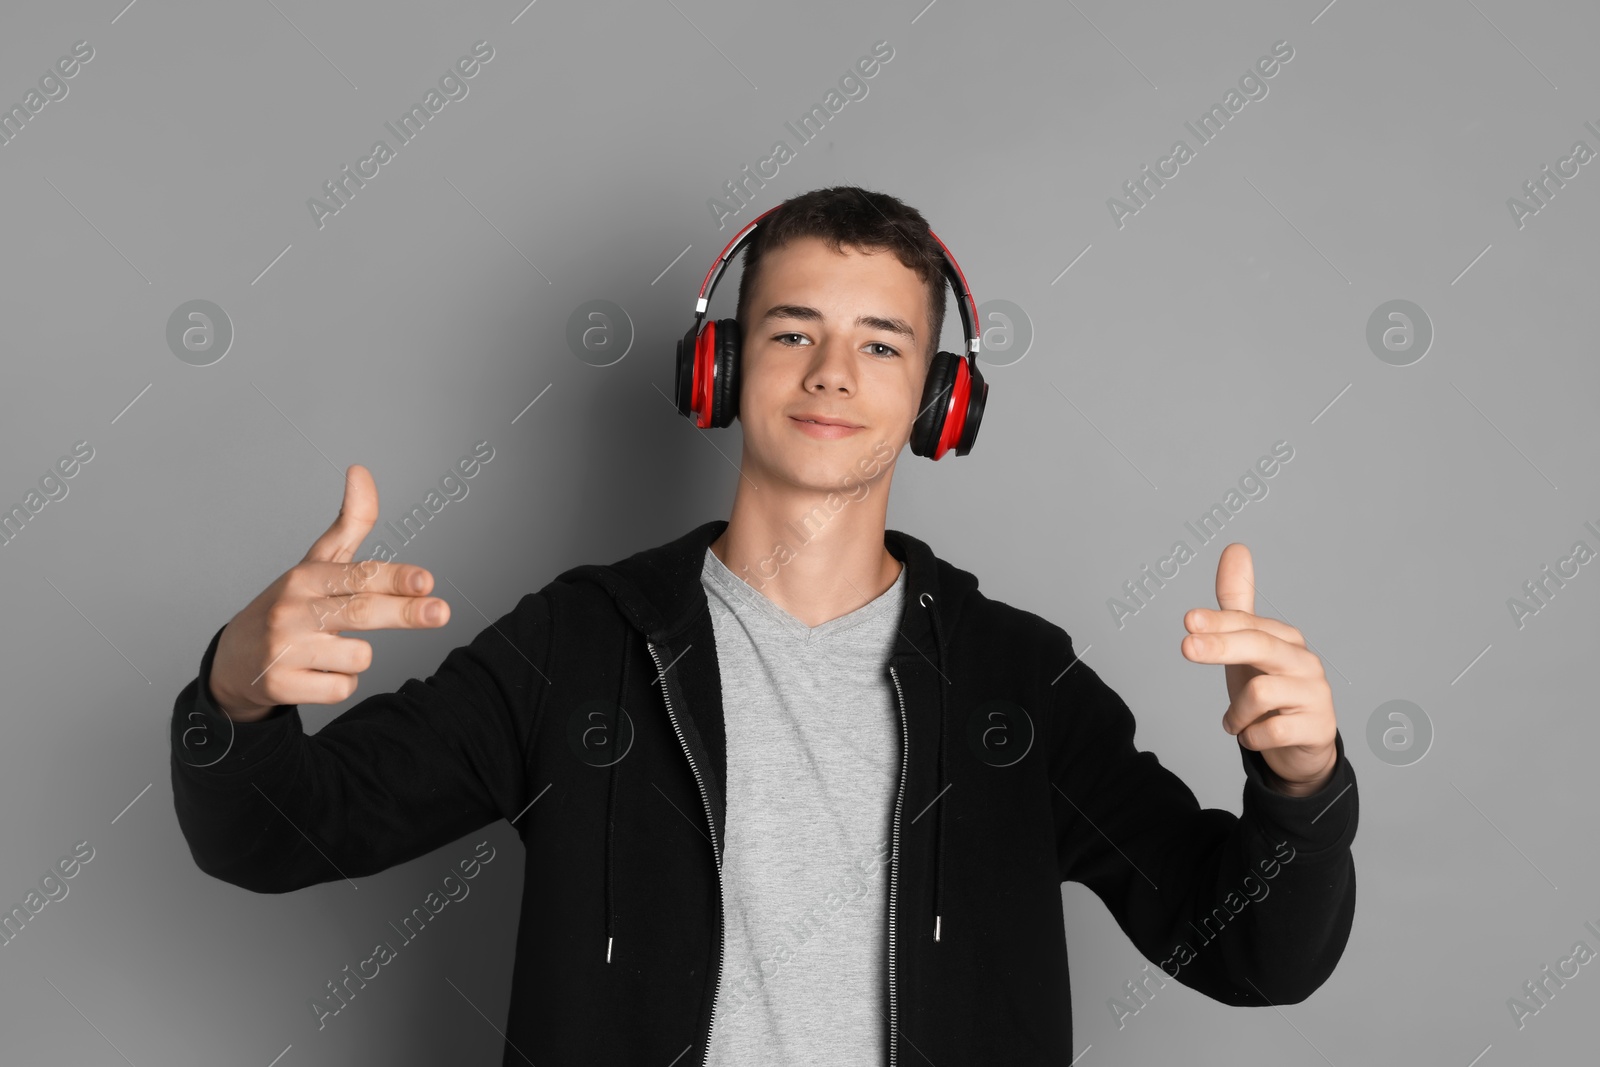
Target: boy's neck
{"type": "Point", "coordinates": [815, 561]}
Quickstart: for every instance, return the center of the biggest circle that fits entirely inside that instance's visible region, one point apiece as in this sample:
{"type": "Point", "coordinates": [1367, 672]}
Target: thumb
{"type": "Point", "coordinates": [357, 515]}
{"type": "Point", "coordinates": [1236, 579]}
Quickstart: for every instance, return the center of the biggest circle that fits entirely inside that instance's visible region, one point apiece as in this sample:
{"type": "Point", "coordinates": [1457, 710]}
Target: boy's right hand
{"type": "Point", "coordinates": [284, 646]}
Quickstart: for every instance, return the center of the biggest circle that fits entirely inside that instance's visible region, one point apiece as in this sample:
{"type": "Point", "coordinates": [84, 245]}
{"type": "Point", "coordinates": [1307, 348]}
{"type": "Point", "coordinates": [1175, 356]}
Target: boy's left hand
{"type": "Point", "coordinates": [1280, 702]}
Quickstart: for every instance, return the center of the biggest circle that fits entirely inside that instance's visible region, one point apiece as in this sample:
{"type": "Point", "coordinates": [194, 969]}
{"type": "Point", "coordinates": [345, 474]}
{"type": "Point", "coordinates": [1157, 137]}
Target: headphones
{"type": "Point", "coordinates": [953, 395]}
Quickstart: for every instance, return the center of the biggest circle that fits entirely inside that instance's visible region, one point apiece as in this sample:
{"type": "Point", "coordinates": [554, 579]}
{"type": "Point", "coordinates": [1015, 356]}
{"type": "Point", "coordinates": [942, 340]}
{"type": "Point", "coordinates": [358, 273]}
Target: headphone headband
{"type": "Point", "coordinates": [949, 268]}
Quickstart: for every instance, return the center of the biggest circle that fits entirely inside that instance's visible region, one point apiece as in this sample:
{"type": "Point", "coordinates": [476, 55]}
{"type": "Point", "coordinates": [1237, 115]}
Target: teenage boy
{"type": "Point", "coordinates": [791, 789]}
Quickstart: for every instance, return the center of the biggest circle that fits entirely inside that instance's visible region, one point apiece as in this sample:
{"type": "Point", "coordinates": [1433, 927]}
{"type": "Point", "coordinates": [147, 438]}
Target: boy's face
{"type": "Point", "coordinates": [839, 334]}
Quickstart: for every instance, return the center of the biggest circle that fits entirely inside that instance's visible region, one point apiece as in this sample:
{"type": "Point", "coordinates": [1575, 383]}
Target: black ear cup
{"type": "Point", "coordinates": [683, 382]}
{"type": "Point", "coordinates": [929, 424]}
{"type": "Point", "coordinates": [945, 372]}
{"type": "Point", "coordinates": [725, 388]}
{"type": "Point", "coordinates": [709, 378]}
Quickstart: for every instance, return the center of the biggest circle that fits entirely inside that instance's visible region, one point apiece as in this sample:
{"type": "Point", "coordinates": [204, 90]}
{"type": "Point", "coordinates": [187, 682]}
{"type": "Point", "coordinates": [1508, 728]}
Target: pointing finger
{"type": "Point", "coordinates": [1256, 648]}
{"type": "Point", "coordinates": [1210, 620]}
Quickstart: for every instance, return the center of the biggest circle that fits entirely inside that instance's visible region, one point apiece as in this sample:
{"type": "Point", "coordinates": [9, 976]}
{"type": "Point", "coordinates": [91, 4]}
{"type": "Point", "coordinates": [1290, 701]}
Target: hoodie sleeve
{"type": "Point", "coordinates": [269, 808]}
{"type": "Point", "coordinates": [1249, 910]}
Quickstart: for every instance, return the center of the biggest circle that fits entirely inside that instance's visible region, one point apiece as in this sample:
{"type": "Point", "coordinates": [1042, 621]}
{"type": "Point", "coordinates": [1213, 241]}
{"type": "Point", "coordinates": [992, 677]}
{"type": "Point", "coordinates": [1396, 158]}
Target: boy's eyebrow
{"type": "Point", "coordinates": [876, 322]}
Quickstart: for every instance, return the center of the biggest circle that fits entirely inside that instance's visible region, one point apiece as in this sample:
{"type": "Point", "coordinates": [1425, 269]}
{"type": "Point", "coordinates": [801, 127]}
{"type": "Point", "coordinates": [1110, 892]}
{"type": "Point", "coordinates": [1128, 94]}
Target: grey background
{"type": "Point", "coordinates": [1228, 314]}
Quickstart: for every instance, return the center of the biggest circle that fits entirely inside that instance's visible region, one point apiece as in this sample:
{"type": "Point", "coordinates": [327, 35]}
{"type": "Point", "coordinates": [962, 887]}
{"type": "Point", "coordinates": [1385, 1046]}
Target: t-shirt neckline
{"type": "Point", "coordinates": [735, 586]}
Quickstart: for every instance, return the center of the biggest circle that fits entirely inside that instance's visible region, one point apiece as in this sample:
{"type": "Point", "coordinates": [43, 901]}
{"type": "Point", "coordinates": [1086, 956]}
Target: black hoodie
{"type": "Point", "coordinates": [619, 942]}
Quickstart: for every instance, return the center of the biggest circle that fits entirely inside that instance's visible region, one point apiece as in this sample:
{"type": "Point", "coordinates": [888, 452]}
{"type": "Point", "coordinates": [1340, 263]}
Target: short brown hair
{"type": "Point", "coordinates": [849, 215]}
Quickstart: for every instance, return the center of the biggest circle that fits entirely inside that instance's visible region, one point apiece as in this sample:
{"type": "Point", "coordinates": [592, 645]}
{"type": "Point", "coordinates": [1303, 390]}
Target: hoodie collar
{"type": "Point", "coordinates": [658, 589]}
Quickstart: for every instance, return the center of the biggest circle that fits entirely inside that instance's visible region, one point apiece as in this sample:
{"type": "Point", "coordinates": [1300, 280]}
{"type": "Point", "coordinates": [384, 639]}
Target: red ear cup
{"type": "Point", "coordinates": [953, 397]}
{"type": "Point", "coordinates": [704, 375]}
{"type": "Point", "coordinates": [707, 380]}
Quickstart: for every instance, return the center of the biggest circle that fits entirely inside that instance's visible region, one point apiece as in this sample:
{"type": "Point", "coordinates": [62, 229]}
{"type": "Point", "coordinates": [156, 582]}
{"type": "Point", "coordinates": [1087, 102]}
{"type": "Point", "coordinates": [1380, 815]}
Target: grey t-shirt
{"type": "Point", "coordinates": [813, 755]}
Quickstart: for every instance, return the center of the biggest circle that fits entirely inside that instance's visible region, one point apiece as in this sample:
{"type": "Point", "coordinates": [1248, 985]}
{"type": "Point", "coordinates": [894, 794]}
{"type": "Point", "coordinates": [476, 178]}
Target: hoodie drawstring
{"type": "Point", "coordinates": [938, 850]}
{"type": "Point", "coordinates": [615, 738]}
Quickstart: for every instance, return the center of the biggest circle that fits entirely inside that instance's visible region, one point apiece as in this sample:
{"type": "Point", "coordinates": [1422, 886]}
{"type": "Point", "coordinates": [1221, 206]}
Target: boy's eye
{"type": "Point", "coordinates": [888, 351]}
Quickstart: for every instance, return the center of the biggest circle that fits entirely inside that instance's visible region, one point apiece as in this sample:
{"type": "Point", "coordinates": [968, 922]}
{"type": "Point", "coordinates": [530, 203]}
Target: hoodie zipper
{"type": "Point", "coordinates": [894, 867]}
{"type": "Point", "coordinates": [715, 852]}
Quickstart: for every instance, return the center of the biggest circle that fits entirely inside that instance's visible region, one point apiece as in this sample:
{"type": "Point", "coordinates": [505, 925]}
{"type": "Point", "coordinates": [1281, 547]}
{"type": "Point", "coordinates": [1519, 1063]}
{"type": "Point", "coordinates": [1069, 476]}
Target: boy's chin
{"type": "Point", "coordinates": [819, 477]}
